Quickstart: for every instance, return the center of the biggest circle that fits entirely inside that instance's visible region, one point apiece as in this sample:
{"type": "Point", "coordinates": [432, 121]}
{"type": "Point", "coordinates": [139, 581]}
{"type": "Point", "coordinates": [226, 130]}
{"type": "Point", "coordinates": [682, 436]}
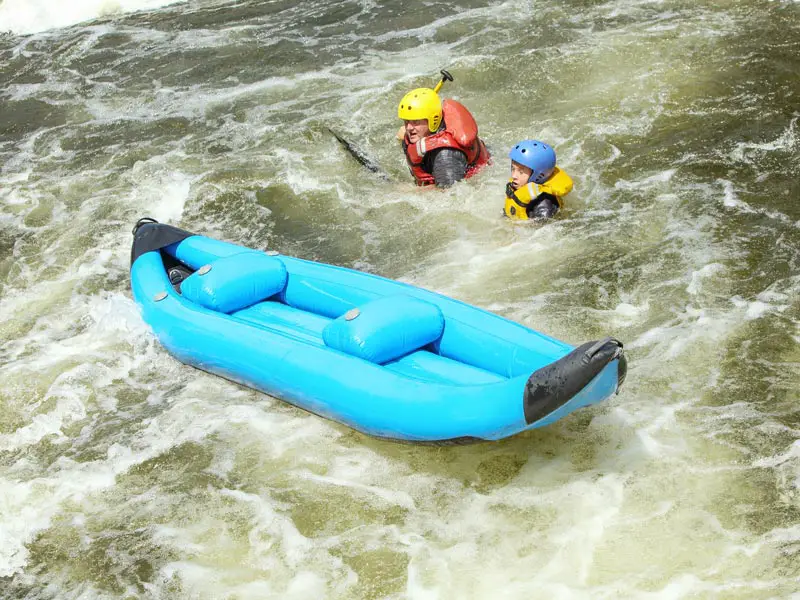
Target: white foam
{"type": "Point", "coordinates": [646, 182]}
{"type": "Point", "coordinates": [791, 455]}
{"type": "Point", "coordinates": [35, 502]}
{"type": "Point", "coordinates": [69, 408]}
{"type": "Point", "coordinates": [625, 314]}
{"type": "Point", "coordinates": [32, 16]}
{"type": "Point", "coordinates": [160, 191]}
{"type": "Point", "coordinates": [730, 198]}
{"type": "Point", "coordinates": [757, 308]}
{"type": "Point", "coordinates": [385, 494]}
{"type": "Point", "coordinates": [475, 528]}
{"type": "Point", "coordinates": [697, 277]}
{"type": "Point", "coordinates": [753, 152]}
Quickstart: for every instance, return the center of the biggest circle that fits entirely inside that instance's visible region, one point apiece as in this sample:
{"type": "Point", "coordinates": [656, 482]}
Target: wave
{"type": "Point", "coordinates": [33, 16]}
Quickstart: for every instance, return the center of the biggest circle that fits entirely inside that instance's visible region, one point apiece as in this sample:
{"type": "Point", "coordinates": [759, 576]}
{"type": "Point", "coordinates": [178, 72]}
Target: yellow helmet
{"type": "Point", "coordinates": [421, 103]}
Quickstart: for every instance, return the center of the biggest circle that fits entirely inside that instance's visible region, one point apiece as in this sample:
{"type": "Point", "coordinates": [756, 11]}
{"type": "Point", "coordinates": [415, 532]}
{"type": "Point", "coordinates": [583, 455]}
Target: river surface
{"type": "Point", "coordinates": [125, 474]}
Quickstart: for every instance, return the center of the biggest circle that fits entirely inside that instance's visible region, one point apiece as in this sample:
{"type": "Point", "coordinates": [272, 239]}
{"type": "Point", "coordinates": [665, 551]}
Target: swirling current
{"type": "Point", "coordinates": [125, 474]}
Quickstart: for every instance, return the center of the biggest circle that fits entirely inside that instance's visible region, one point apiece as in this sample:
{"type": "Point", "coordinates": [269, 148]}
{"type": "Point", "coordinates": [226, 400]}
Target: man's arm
{"type": "Point", "coordinates": [544, 206]}
{"type": "Point", "coordinates": [449, 166]}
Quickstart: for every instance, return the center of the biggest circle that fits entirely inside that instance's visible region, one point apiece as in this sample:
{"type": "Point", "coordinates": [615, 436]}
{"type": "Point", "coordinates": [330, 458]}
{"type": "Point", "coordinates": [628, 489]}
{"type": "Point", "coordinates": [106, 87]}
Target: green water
{"type": "Point", "coordinates": [124, 474]}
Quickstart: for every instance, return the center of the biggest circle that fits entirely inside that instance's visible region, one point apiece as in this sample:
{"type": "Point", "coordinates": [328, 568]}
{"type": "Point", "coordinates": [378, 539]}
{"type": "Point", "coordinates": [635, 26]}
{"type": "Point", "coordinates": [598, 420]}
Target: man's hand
{"type": "Point", "coordinates": [544, 206]}
{"type": "Point", "coordinates": [510, 190]}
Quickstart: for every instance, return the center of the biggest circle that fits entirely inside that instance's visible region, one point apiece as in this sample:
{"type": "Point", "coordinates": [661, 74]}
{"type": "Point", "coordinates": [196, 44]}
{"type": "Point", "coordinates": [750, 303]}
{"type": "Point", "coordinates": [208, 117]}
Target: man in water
{"type": "Point", "coordinates": [440, 139]}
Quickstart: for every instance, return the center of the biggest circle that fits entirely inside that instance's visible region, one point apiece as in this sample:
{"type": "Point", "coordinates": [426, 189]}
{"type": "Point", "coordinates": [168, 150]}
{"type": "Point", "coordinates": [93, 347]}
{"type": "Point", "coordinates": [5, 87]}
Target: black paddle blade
{"type": "Point", "coordinates": [360, 156]}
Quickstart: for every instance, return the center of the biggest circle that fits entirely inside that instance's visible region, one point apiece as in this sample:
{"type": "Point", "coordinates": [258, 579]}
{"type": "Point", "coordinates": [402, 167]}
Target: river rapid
{"type": "Point", "coordinates": [125, 474]}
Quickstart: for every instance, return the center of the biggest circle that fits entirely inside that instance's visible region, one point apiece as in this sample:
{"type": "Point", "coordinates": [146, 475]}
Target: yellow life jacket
{"type": "Point", "coordinates": [558, 184]}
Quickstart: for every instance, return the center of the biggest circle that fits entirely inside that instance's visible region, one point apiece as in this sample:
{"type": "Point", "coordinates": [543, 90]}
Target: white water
{"type": "Point", "coordinates": [115, 456]}
{"type": "Point", "coordinates": [34, 16]}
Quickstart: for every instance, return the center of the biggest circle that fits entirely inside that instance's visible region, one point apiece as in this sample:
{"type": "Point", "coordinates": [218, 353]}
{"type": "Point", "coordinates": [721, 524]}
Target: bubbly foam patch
{"type": "Point", "coordinates": [33, 16]}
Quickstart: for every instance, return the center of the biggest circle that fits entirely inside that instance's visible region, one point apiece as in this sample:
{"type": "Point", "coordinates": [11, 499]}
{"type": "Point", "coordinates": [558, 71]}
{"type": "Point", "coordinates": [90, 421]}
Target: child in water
{"type": "Point", "coordinates": [537, 185]}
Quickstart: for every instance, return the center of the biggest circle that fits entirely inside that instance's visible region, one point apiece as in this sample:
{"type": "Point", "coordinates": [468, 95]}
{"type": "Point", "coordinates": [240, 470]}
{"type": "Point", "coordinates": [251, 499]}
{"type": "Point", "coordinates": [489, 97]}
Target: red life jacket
{"type": "Point", "coordinates": [460, 132]}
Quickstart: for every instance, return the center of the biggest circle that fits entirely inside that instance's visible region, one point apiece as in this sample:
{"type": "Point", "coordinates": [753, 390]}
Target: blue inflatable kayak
{"type": "Point", "coordinates": [383, 357]}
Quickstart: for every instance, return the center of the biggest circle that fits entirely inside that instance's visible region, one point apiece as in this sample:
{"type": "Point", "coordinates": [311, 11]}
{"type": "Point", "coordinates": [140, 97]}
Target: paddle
{"type": "Point", "coordinates": [360, 156]}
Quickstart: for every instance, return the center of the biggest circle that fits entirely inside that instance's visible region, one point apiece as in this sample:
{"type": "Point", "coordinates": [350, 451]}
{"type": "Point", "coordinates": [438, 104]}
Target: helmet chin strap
{"type": "Point", "coordinates": [445, 77]}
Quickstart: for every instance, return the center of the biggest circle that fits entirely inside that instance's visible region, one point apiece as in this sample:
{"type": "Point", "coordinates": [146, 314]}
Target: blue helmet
{"type": "Point", "coordinates": [537, 156]}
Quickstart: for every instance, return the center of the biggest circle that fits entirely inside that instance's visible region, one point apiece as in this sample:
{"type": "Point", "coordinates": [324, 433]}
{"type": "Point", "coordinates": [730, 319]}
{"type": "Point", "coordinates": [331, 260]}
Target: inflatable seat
{"type": "Point", "coordinates": [235, 282]}
{"type": "Point", "coordinates": [385, 329]}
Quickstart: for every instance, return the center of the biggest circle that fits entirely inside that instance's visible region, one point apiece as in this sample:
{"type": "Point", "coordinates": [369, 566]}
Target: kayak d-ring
{"type": "Point", "coordinates": [588, 355]}
{"type": "Point", "coordinates": [141, 222]}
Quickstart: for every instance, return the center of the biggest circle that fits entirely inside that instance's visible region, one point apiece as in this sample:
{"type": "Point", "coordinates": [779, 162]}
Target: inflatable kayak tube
{"type": "Point", "coordinates": [386, 358]}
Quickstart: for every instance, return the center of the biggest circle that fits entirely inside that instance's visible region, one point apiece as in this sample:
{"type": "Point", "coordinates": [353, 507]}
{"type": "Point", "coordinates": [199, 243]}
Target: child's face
{"type": "Point", "coordinates": [519, 174]}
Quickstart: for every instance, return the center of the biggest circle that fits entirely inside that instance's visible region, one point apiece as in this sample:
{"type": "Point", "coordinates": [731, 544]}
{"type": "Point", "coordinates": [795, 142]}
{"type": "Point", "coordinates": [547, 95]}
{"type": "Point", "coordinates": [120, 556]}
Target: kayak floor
{"type": "Point", "coordinates": [421, 365]}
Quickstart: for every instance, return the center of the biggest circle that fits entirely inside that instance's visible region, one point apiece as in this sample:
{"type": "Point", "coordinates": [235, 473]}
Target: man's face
{"type": "Point", "coordinates": [417, 129]}
{"type": "Point", "coordinates": [519, 174]}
